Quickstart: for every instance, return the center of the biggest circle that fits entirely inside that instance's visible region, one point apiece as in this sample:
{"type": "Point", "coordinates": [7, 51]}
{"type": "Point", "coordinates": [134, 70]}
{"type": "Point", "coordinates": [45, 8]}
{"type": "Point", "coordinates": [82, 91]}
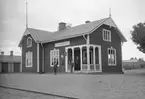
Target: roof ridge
{"type": "Point", "coordinates": [39, 29]}
{"type": "Point", "coordinates": [73, 26]}
{"type": "Point", "coordinates": [91, 22]}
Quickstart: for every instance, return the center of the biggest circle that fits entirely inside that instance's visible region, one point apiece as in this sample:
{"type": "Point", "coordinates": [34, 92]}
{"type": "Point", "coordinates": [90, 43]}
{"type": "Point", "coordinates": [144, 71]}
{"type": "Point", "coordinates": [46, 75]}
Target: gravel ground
{"type": "Point", "coordinates": [130, 85]}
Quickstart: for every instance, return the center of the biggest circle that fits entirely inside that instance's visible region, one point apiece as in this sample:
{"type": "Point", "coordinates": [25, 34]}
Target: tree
{"type": "Point", "coordinates": [141, 59]}
{"type": "Point", "coordinates": [131, 58]}
{"type": "Point", "coordinates": [138, 36]}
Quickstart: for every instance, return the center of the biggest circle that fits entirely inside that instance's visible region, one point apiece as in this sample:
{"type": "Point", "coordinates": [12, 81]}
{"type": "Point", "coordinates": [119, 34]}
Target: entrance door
{"type": "Point", "coordinates": [77, 59]}
{"type": "Point", "coordinates": [16, 67]}
{"type": "Point", "coordinates": [4, 67]}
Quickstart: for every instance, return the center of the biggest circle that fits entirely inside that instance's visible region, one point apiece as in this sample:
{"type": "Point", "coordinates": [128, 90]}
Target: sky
{"type": "Point", "coordinates": [46, 14]}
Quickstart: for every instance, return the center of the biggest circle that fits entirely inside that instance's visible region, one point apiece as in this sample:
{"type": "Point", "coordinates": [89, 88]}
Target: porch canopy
{"type": "Point", "coordinates": [87, 58]}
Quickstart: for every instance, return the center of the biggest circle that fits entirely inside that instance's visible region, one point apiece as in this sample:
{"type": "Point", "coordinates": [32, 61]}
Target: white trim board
{"type": "Point", "coordinates": [38, 57]}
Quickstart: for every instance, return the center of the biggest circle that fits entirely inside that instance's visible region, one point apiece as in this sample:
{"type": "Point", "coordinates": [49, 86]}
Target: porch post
{"type": "Point", "coordinates": [73, 56]}
{"type": "Point", "coordinates": [66, 60]}
{"type": "Point", "coordinates": [94, 57]}
{"type": "Point", "coordinates": [100, 58]}
{"type": "Point", "coordinates": [88, 57]}
{"type": "Point", "coordinates": [81, 57]}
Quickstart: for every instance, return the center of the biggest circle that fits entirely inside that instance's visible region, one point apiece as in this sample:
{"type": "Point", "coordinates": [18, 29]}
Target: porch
{"type": "Point", "coordinates": [87, 58]}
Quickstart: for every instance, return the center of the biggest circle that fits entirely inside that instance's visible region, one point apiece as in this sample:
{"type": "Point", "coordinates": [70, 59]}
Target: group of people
{"type": "Point", "coordinates": [55, 63]}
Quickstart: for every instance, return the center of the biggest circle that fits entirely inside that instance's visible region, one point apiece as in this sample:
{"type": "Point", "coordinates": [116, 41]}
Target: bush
{"type": "Point", "coordinates": [127, 67]}
{"type": "Point", "coordinates": [142, 65]}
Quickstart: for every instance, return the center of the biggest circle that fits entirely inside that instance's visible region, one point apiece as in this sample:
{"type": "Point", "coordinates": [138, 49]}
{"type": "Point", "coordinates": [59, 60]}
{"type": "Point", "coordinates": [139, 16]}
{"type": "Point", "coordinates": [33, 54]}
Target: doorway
{"type": "Point", "coordinates": [77, 59]}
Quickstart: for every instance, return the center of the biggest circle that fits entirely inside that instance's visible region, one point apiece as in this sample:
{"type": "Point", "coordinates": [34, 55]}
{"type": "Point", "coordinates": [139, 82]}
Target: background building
{"type": "Point", "coordinates": [9, 63]}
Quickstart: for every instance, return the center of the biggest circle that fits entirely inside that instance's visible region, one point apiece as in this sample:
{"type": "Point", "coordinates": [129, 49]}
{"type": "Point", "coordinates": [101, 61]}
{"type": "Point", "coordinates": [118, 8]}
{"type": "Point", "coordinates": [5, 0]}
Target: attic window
{"type": "Point", "coordinates": [29, 42]}
{"type": "Point", "coordinates": [106, 35]}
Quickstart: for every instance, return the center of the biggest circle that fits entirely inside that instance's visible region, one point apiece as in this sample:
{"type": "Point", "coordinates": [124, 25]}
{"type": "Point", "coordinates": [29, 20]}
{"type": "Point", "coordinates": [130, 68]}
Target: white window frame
{"type": "Point", "coordinates": [29, 57]}
{"type": "Point", "coordinates": [30, 44]}
{"type": "Point", "coordinates": [54, 54]}
{"type": "Point", "coordinates": [106, 33]}
{"type": "Point", "coordinates": [112, 64]}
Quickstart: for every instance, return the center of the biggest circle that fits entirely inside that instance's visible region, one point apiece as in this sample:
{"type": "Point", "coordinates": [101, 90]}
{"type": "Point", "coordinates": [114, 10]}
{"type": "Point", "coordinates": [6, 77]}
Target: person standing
{"type": "Point", "coordinates": [72, 65]}
{"type": "Point", "coordinates": [55, 66]}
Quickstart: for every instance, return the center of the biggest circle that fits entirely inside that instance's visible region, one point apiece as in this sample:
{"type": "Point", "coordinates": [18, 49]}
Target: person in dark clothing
{"type": "Point", "coordinates": [72, 65]}
{"type": "Point", "coordinates": [55, 66]}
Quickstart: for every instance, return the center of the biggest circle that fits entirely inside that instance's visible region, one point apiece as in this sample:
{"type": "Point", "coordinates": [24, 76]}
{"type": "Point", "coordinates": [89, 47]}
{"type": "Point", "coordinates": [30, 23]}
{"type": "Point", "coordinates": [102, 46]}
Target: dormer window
{"type": "Point", "coordinates": [106, 35]}
{"type": "Point", "coordinates": [29, 42]}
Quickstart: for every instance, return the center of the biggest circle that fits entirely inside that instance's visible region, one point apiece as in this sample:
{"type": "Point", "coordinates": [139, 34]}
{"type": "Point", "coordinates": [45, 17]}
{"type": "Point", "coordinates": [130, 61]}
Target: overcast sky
{"type": "Point", "coordinates": [46, 14]}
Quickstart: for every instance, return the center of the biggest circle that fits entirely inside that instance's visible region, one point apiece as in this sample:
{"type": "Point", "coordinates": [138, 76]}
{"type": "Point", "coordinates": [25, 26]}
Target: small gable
{"type": "Point", "coordinates": [110, 22]}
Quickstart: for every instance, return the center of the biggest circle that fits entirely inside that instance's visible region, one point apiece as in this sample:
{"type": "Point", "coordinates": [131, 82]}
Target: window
{"type": "Point", "coordinates": [29, 58]}
{"type": "Point", "coordinates": [29, 42]}
{"type": "Point", "coordinates": [54, 54]}
{"type": "Point", "coordinates": [111, 56]}
{"type": "Point", "coordinates": [106, 35]}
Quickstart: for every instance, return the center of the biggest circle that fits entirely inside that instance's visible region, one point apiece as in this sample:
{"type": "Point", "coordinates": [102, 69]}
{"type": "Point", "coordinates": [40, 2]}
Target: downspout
{"type": "Point", "coordinates": [87, 39]}
{"type": "Point", "coordinates": [88, 55]}
{"type": "Point", "coordinates": [42, 58]}
{"type": "Point", "coordinates": [84, 37]}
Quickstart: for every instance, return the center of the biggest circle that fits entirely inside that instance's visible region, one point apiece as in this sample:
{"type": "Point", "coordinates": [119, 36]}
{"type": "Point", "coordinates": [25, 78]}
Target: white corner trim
{"type": "Point", "coordinates": [21, 60]}
{"type": "Point", "coordinates": [100, 58]}
{"type": "Point", "coordinates": [37, 57]}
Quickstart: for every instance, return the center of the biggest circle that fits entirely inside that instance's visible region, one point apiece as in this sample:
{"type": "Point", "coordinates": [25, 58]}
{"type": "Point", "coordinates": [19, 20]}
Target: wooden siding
{"type": "Point", "coordinates": [16, 67]}
{"type": "Point", "coordinates": [50, 46]}
{"type": "Point", "coordinates": [5, 67]}
{"type": "Point", "coordinates": [32, 49]}
{"type": "Point", "coordinates": [97, 38]}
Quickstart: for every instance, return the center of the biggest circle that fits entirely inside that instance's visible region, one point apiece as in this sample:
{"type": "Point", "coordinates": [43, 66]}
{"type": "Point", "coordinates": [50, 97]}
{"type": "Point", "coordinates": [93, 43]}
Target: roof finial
{"type": "Point", "coordinates": [26, 14]}
{"type": "Point", "coordinates": [109, 12]}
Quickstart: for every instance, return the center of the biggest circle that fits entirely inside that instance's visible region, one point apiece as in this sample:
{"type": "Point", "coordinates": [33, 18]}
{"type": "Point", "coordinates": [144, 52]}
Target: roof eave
{"type": "Point", "coordinates": [66, 37]}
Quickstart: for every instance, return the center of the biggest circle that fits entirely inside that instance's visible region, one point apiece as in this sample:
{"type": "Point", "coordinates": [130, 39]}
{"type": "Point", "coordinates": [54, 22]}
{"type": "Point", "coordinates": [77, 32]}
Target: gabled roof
{"type": "Point", "coordinates": [41, 36]}
{"type": "Point", "coordinates": [37, 34]}
{"type": "Point", "coordinates": [8, 58]}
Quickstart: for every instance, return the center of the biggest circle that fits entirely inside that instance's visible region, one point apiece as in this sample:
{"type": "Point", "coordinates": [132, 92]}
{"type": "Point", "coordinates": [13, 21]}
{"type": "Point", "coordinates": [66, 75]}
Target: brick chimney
{"type": "Point", "coordinates": [2, 53]}
{"type": "Point", "coordinates": [87, 21]}
{"type": "Point", "coordinates": [11, 53]}
{"type": "Point", "coordinates": [62, 25]}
